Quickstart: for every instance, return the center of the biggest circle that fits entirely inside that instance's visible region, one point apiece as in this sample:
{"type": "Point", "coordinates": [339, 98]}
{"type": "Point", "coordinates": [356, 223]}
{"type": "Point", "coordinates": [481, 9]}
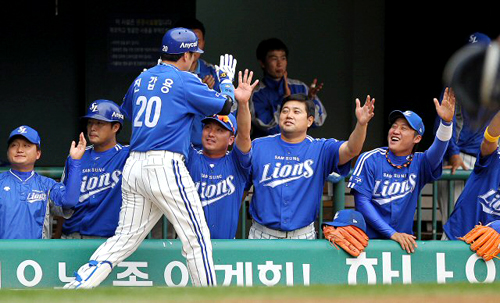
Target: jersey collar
{"type": "Point", "coordinates": [21, 175]}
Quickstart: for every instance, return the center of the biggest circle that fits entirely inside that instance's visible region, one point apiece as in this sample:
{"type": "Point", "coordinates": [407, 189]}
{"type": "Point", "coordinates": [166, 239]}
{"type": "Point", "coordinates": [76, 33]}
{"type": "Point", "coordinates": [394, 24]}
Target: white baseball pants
{"type": "Point", "coordinates": [156, 183]}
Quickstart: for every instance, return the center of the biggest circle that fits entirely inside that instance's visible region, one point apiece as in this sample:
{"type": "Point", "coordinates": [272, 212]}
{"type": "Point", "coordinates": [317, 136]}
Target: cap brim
{"type": "Point", "coordinates": [21, 135]}
{"type": "Point", "coordinates": [205, 120]}
{"type": "Point", "coordinates": [394, 115]}
{"type": "Point", "coordinates": [199, 50]}
{"type": "Point", "coordinates": [98, 117]}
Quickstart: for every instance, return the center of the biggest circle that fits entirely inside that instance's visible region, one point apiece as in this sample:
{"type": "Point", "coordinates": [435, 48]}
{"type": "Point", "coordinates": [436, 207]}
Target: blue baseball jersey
{"type": "Point", "coordinates": [288, 179]}
{"type": "Point", "coordinates": [266, 104]}
{"type": "Point", "coordinates": [480, 199]}
{"type": "Point", "coordinates": [392, 192]}
{"type": "Point", "coordinates": [98, 208]}
{"type": "Point", "coordinates": [162, 103]}
{"type": "Point", "coordinates": [220, 184]}
{"type": "Point", "coordinates": [202, 70]}
{"type": "Point", "coordinates": [27, 200]}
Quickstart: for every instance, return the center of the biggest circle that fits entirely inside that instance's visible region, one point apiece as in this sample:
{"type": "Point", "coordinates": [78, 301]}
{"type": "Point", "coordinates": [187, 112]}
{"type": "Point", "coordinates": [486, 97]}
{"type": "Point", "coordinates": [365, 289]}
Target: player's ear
{"type": "Point", "coordinates": [115, 127]}
{"type": "Point", "coordinates": [231, 139]}
{"type": "Point", "coordinates": [417, 139]}
{"type": "Point", "coordinates": [262, 64]}
{"type": "Point", "coordinates": [310, 121]}
{"type": "Point", "coordinates": [38, 153]}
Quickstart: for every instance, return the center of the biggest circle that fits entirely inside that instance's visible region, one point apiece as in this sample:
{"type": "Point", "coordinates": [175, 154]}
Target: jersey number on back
{"type": "Point", "coordinates": [146, 113]}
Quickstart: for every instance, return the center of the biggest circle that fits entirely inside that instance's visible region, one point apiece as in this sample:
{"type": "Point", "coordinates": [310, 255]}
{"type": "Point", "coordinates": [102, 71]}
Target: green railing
{"type": "Point", "coordinates": [336, 191]}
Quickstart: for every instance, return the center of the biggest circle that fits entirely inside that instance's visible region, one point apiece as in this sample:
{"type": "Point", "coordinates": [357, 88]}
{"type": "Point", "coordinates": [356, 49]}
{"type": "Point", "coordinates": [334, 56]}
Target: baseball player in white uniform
{"type": "Point", "coordinates": [162, 103]}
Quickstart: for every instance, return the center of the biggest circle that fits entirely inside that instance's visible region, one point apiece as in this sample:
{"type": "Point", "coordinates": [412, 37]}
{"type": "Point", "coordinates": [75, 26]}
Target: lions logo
{"type": "Point", "coordinates": [22, 130]}
{"type": "Point", "coordinates": [93, 107]}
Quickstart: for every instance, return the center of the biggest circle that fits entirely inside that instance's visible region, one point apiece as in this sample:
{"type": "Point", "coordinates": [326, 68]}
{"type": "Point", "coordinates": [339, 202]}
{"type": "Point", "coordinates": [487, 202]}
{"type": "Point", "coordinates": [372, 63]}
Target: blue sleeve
{"type": "Point", "coordinates": [332, 147]}
{"type": "Point", "coordinates": [243, 160]}
{"type": "Point", "coordinates": [435, 153]}
{"type": "Point", "coordinates": [200, 99]}
{"type": "Point", "coordinates": [67, 196]}
{"type": "Point", "coordinates": [365, 207]}
{"type": "Point", "coordinates": [487, 163]}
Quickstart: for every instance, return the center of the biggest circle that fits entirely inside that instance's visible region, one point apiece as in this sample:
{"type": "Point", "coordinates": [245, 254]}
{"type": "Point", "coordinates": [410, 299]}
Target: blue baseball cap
{"type": "Point", "coordinates": [479, 39]}
{"type": "Point", "coordinates": [104, 110]}
{"type": "Point", "coordinates": [229, 122]}
{"type": "Point", "coordinates": [180, 40]}
{"type": "Point", "coordinates": [413, 119]}
{"type": "Point", "coordinates": [27, 132]}
{"type": "Point", "coordinates": [347, 217]}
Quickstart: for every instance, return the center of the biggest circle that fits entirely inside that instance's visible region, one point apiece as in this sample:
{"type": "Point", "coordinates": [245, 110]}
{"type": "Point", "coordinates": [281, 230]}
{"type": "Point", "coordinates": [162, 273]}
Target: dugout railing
{"type": "Point", "coordinates": [336, 196]}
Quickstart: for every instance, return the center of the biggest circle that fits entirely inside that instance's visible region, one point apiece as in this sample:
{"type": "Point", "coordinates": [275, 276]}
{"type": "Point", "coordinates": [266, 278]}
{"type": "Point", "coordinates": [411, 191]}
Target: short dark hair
{"type": "Point", "coordinates": [119, 129]}
{"type": "Point", "coordinates": [310, 107]}
{"type": "Point", "coordinates": [268, 45]}
{"type": "Point", "coordinates": [171, 57]}
{"type": "Point", "coordinates": [190, 23]}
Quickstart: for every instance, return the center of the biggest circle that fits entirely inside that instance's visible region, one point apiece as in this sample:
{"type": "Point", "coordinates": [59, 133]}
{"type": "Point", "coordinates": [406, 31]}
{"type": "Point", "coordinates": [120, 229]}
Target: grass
{"type": "Point", "coordinates": [453, 293]}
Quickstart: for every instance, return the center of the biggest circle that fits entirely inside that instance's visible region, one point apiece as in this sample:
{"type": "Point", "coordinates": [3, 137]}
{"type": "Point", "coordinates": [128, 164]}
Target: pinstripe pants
{"type": "Point", "coordinates": [156, 183]}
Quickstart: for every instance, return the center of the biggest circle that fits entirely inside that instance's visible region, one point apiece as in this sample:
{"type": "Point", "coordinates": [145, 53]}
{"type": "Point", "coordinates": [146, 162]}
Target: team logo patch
{"type": "Point", "coordinates": [165, 48]}
{"type": "Point", "coordinates": [22, 130]}
{"type": "Point", "coordinates": [6, 188]}
{"type": "Point", "coordinates": [93, 107]}
{"type": "Point", "coordinates": [223, 75]}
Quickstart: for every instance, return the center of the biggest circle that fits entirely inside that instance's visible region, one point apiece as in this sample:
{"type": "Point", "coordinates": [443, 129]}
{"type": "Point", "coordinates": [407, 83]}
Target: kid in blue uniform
{"type": "Point", "coordinates": [27, 200]}
{"type": "Point", "coordinates": [96, 214]}
{"type": "Point", "coordinates": [387, 181]}
{"type": "Point", "coordinates": [220, 175]}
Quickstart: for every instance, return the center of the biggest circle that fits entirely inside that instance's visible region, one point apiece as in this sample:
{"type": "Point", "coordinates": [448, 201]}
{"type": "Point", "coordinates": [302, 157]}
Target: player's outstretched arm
{"type": "Point", "coordinates": [491, 135]}
{"type": "Point", "coordinates": [244, 118]}
{"type": "Point", "coordinates": [446, 111]}
{"type": "Point", "coordinates": [353, 146]}
{"type": "Point", "coordinates": [225, 73]}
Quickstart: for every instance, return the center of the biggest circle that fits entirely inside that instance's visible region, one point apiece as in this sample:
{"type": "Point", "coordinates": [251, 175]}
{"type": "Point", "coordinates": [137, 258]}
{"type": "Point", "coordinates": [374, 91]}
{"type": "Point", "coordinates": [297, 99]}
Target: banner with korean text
{"type": "Point", "coordinates": [51, 263]}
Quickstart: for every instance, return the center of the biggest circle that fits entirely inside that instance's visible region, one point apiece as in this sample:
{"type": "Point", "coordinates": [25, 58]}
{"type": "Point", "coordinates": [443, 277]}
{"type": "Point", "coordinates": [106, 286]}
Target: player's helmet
{"type": "Point", "coordinates": [104, 110]}
{"type": "Point", "coordinates": [180, 40]}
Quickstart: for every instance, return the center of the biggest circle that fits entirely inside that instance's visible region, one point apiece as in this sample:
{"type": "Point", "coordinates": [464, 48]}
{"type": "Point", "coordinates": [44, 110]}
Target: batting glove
{"type": "Point", "coordinates": [225, 73]}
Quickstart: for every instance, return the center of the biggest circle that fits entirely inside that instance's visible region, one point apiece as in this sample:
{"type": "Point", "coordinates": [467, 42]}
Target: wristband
{"type": "Point", "coordinates": [489, 137]}
{"type": "Point", "coordinates": [444, 132]}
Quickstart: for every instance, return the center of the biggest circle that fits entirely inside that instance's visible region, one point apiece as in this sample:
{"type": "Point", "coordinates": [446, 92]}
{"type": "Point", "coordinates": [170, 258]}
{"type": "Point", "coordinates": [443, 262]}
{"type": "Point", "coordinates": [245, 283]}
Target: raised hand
{"type": "Point", "coordinates": [366, 112]}
{"type": "Point", "coordinates": [245, 86]}
{"type": "Point", "coordinates": [446, 109]}
{"type": "Point", "coordinates": [314, 88]}
{"type": "Point", "coordinates": [76, 151]}
{"type": "Point", "coordinates": [226, 68]}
